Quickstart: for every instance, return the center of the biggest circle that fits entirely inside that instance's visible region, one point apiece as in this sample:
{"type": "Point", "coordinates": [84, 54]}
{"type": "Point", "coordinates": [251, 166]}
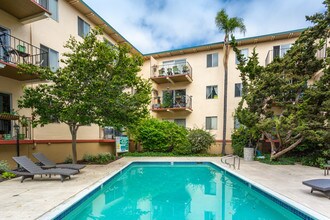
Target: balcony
{"type": "Point", "coordinates": [174, 73]}
{"type": "Point", "coordinates": [15, 51]}
{"type": "Point", "coordinates": [272, 54]}
{"type": "Point", "coordinates": [320, 54]}
{"type": "Point", "coordinates": [26, 11]}
{"type": "Point", "coordinates": [176, 103]}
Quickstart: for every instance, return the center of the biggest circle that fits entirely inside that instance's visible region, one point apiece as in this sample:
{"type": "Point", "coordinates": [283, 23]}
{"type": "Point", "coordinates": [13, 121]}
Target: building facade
{"type": "Point", "coordinates": [187, 83]}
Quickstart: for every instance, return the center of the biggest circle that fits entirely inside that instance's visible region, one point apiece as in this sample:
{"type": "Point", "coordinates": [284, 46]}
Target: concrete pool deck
{"type": "Point", "coordinates": [32, 198]}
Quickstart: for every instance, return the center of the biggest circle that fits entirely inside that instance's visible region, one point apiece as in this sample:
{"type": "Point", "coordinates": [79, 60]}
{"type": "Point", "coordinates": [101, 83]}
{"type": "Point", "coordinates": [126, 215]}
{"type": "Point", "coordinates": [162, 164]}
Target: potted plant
{"type": "Point", "coordinates": [249, 148]}
{"type": "Point", "coordinates": [24, 121]}
{"type": "Point", "coordinates": [185, 69]}
{"type": "Point", "coordinates": [167, 100]}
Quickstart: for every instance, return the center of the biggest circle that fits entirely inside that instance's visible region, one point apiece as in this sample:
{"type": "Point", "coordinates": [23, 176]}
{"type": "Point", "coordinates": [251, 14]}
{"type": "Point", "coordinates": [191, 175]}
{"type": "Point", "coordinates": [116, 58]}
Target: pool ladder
{"type": "Point", "coordinates": [231, 158]}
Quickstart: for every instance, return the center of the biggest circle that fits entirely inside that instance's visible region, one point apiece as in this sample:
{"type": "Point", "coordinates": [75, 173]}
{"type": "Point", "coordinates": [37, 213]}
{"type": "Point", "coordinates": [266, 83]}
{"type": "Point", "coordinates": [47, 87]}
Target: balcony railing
{"type": "Point", "coordinates": [176, 103]}
{"type": "Point", "coordinates": [15, 51]}
{"type": "Point", "coordinates": [320, 54]}
{"type": "Point", "coordinates": [179, 72]}
{"type": "Point", "coordinates": [271, 55]}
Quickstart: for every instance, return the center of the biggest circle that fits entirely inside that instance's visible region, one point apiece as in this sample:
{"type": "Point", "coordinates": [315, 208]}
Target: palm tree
{"type": "Point", "coordinates": [228, 26]}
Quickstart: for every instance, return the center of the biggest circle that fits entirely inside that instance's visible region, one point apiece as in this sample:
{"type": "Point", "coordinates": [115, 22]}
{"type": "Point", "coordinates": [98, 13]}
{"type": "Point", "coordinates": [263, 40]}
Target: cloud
{"type": "Point", "coordinates": [158, 25]}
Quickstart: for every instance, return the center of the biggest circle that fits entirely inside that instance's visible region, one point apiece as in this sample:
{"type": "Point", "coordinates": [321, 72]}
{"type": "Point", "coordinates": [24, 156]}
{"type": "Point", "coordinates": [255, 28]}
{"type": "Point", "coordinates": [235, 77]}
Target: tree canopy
{"type": "Point", "coordinates": [282, 100]}
{"type": "Point", "coordinates": [98, 84]}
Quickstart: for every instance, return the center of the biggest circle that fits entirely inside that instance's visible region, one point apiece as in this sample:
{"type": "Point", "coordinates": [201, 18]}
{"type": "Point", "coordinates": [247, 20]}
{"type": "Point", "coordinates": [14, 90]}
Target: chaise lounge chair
{"type": "Point", "coordinates": [50, 164]}
{"type": "Point", "coordinates": [321, 185]}
{"type": "Point", "coordinates": [32, 169]}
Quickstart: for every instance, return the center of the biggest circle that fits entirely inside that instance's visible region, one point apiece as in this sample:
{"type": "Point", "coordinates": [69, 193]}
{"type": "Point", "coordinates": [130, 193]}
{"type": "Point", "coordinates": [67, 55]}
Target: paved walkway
{"type": "Point", "coordinates": [31, 199]}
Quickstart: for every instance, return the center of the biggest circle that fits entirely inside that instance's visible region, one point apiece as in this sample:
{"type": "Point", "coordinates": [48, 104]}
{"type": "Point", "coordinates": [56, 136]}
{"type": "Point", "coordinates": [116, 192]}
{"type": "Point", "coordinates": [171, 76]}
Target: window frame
{"type": "Point", "coordinates": [240, 91]}
{"type": "Point", "coordinates": [210, 96]}
{"type": "Point", "coordinates": [7, 123]}
{"type": "Point", "coordinates": [212, 59]}
{"type": "Point", "coordinates": [245, 54]}
{"type": "Point", "coordinates": [212, 127]}
{"type": "Point", "coordinates": [47, 4]}
{"type": "Point", "coordinates": [48, 61]}
{"type": "Point", "coordinates": [81, 31]}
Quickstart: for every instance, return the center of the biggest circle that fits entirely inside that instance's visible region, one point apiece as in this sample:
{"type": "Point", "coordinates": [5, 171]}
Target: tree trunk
{"type": "Point", "coordinates": [225, 64]}
{"type": "Point", "coordinates": [73, 131]}
{"type": "Point", "coordinates": [272, 144]}
{"type": "Point", "coordinates": [284, 151]}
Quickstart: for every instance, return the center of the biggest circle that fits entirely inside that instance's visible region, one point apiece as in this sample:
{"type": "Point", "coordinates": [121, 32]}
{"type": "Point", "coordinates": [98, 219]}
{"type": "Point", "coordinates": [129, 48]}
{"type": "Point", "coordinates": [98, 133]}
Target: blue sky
{"type": "Point", "coordinates": [158, 25]}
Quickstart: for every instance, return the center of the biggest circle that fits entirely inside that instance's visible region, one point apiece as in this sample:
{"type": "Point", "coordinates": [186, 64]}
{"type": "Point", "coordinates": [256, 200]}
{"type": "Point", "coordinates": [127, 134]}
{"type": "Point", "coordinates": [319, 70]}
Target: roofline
{"type": "Point", "coordinates": [105, 22]}
{"type": "Point", "coordinates": [185, 48]}
{"type": "Point", "coordinates": [221, 42]}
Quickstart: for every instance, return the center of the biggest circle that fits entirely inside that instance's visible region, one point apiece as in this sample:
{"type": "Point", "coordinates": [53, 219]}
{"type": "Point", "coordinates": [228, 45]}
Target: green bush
{"type": "Point", "coordinates": [100, 158]}
{"type": "Point", "coordinates": [240, 139]}
{"type": "Point", "coordinates": [68, 159]}
{"type": "Point", "coordinates": [200, 140]}
{"type": "Point", "coordinates": [162, 136]}
{"type": "Point", "coordinates": [8, 175]}
{"type": "Point", "coordinates": [3, 166]}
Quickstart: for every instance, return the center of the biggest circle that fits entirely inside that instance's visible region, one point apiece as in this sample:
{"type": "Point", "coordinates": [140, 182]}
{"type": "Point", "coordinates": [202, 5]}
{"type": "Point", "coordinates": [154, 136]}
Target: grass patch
{"type": "Point", "coordinates": [170, 154]}
{"type": "Point", "coordinates": [279, 161]}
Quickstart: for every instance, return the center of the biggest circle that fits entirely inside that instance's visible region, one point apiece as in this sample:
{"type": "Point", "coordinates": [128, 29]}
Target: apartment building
{"type": "Point", "coordinates": [34, 32]}
{"type": "Point", "coordinates": [187, 83]}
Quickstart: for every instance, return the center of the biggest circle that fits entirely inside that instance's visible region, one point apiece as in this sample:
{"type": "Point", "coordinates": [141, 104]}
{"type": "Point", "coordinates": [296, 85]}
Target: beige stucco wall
{"type": "Point", "coordinates": [56, 152]}
{"type": "Point", "coordinates": [52, 34]}
{"type": "Point", "coordinates": [202, 77]}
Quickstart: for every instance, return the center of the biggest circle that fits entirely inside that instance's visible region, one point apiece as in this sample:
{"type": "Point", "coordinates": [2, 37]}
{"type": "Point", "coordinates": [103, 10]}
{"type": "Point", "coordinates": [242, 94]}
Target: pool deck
{"type": "Point", "coordinates": [33, 198]}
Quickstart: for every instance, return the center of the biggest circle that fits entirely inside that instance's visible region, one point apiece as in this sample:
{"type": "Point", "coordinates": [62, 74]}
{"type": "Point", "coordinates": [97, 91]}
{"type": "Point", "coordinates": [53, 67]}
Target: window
{"type": "Point", "coordinates": [210, 188]}
{"type": "Point", "coordinates": [83, 27]}
{"type": "Point", "coordinates": [49, 59]}
{"type": "Point", "coordinates": [280, 50]}
{"type": "Point", "coordinates": [5, 106]}
{"type": "Point", "coordinates": [212, 60]}
{"type": "Point", "coordinates": [211, 92]}
{"type": "Point", "coordinates": [208, 215]}
{"type": "Point", "coordinates": [211, 123]}
{"type": "Point", "coordinates": [108, 42]}
{"type": "Point", "coordinates": [181, 122]}
{"type": "Point", "coordinates": [51, 6]}
{"type": "Point", "coordinates": [236, 123]}
{"type": "Point", "coordinates": [238, 89]}
{"type": "Point", "coordinates": [174, 98]}
{"type": "Point", "coordinates": [245, 53]}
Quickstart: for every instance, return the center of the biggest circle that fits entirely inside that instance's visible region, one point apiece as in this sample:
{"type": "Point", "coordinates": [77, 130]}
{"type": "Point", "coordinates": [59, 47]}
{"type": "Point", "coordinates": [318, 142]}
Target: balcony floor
{"type": "Point", "coordinates": [172, 78]}
{"type": "Point", "coordinates": [11, 71]}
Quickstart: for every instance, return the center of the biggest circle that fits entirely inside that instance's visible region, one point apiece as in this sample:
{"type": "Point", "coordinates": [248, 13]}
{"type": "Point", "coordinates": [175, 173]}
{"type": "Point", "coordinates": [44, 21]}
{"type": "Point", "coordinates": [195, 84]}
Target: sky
{"type": "Point", "coordinates": [160, 25]}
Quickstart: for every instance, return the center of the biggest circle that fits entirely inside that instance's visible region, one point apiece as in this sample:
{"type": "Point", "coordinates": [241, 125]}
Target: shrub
{"type": "Point", "coordinates": [8, 175]}
{"type": "Point", "coordinates": [162, 136]}
{"type": "Point", "coordinates": [68, 159]}
{"type": "Point", "coordinates": [200, 140]}
{"type": "Point", "coordinates": [240, 139]}
{"type": "Point", "coordinates": [101, 158]}
{"type": "Point", "coordinates": [3, 166]}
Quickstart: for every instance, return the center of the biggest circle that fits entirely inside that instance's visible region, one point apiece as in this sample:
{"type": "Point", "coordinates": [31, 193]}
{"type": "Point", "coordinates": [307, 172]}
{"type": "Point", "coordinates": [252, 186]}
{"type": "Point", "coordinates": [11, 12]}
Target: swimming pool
{"type": "Point", "coordinates": [179, 190]}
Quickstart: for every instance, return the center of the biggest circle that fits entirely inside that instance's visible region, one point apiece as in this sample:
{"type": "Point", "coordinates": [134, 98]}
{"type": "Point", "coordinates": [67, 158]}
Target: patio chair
{"type": "Point", "coordinates": [321, 185]}
{"type": "Point", "coordinates": [50, 164]}
{"type": "Point", "coordinates": [32, 169]}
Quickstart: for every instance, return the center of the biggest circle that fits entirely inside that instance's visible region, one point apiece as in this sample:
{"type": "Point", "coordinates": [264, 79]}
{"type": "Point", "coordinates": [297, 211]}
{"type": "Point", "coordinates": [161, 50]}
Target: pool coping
{"type": "Point", "coordinates": [55, 212]}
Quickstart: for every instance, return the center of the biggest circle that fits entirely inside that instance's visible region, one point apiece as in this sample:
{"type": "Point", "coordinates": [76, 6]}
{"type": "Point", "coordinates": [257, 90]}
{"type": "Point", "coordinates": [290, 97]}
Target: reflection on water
{"type": "Point", "coordinates": [167, 192]}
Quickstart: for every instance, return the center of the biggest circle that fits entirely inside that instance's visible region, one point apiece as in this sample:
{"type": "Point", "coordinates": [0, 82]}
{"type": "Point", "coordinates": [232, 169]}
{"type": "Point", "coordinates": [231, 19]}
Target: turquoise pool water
{"type": "Point", "coordinates": [165, 191]}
